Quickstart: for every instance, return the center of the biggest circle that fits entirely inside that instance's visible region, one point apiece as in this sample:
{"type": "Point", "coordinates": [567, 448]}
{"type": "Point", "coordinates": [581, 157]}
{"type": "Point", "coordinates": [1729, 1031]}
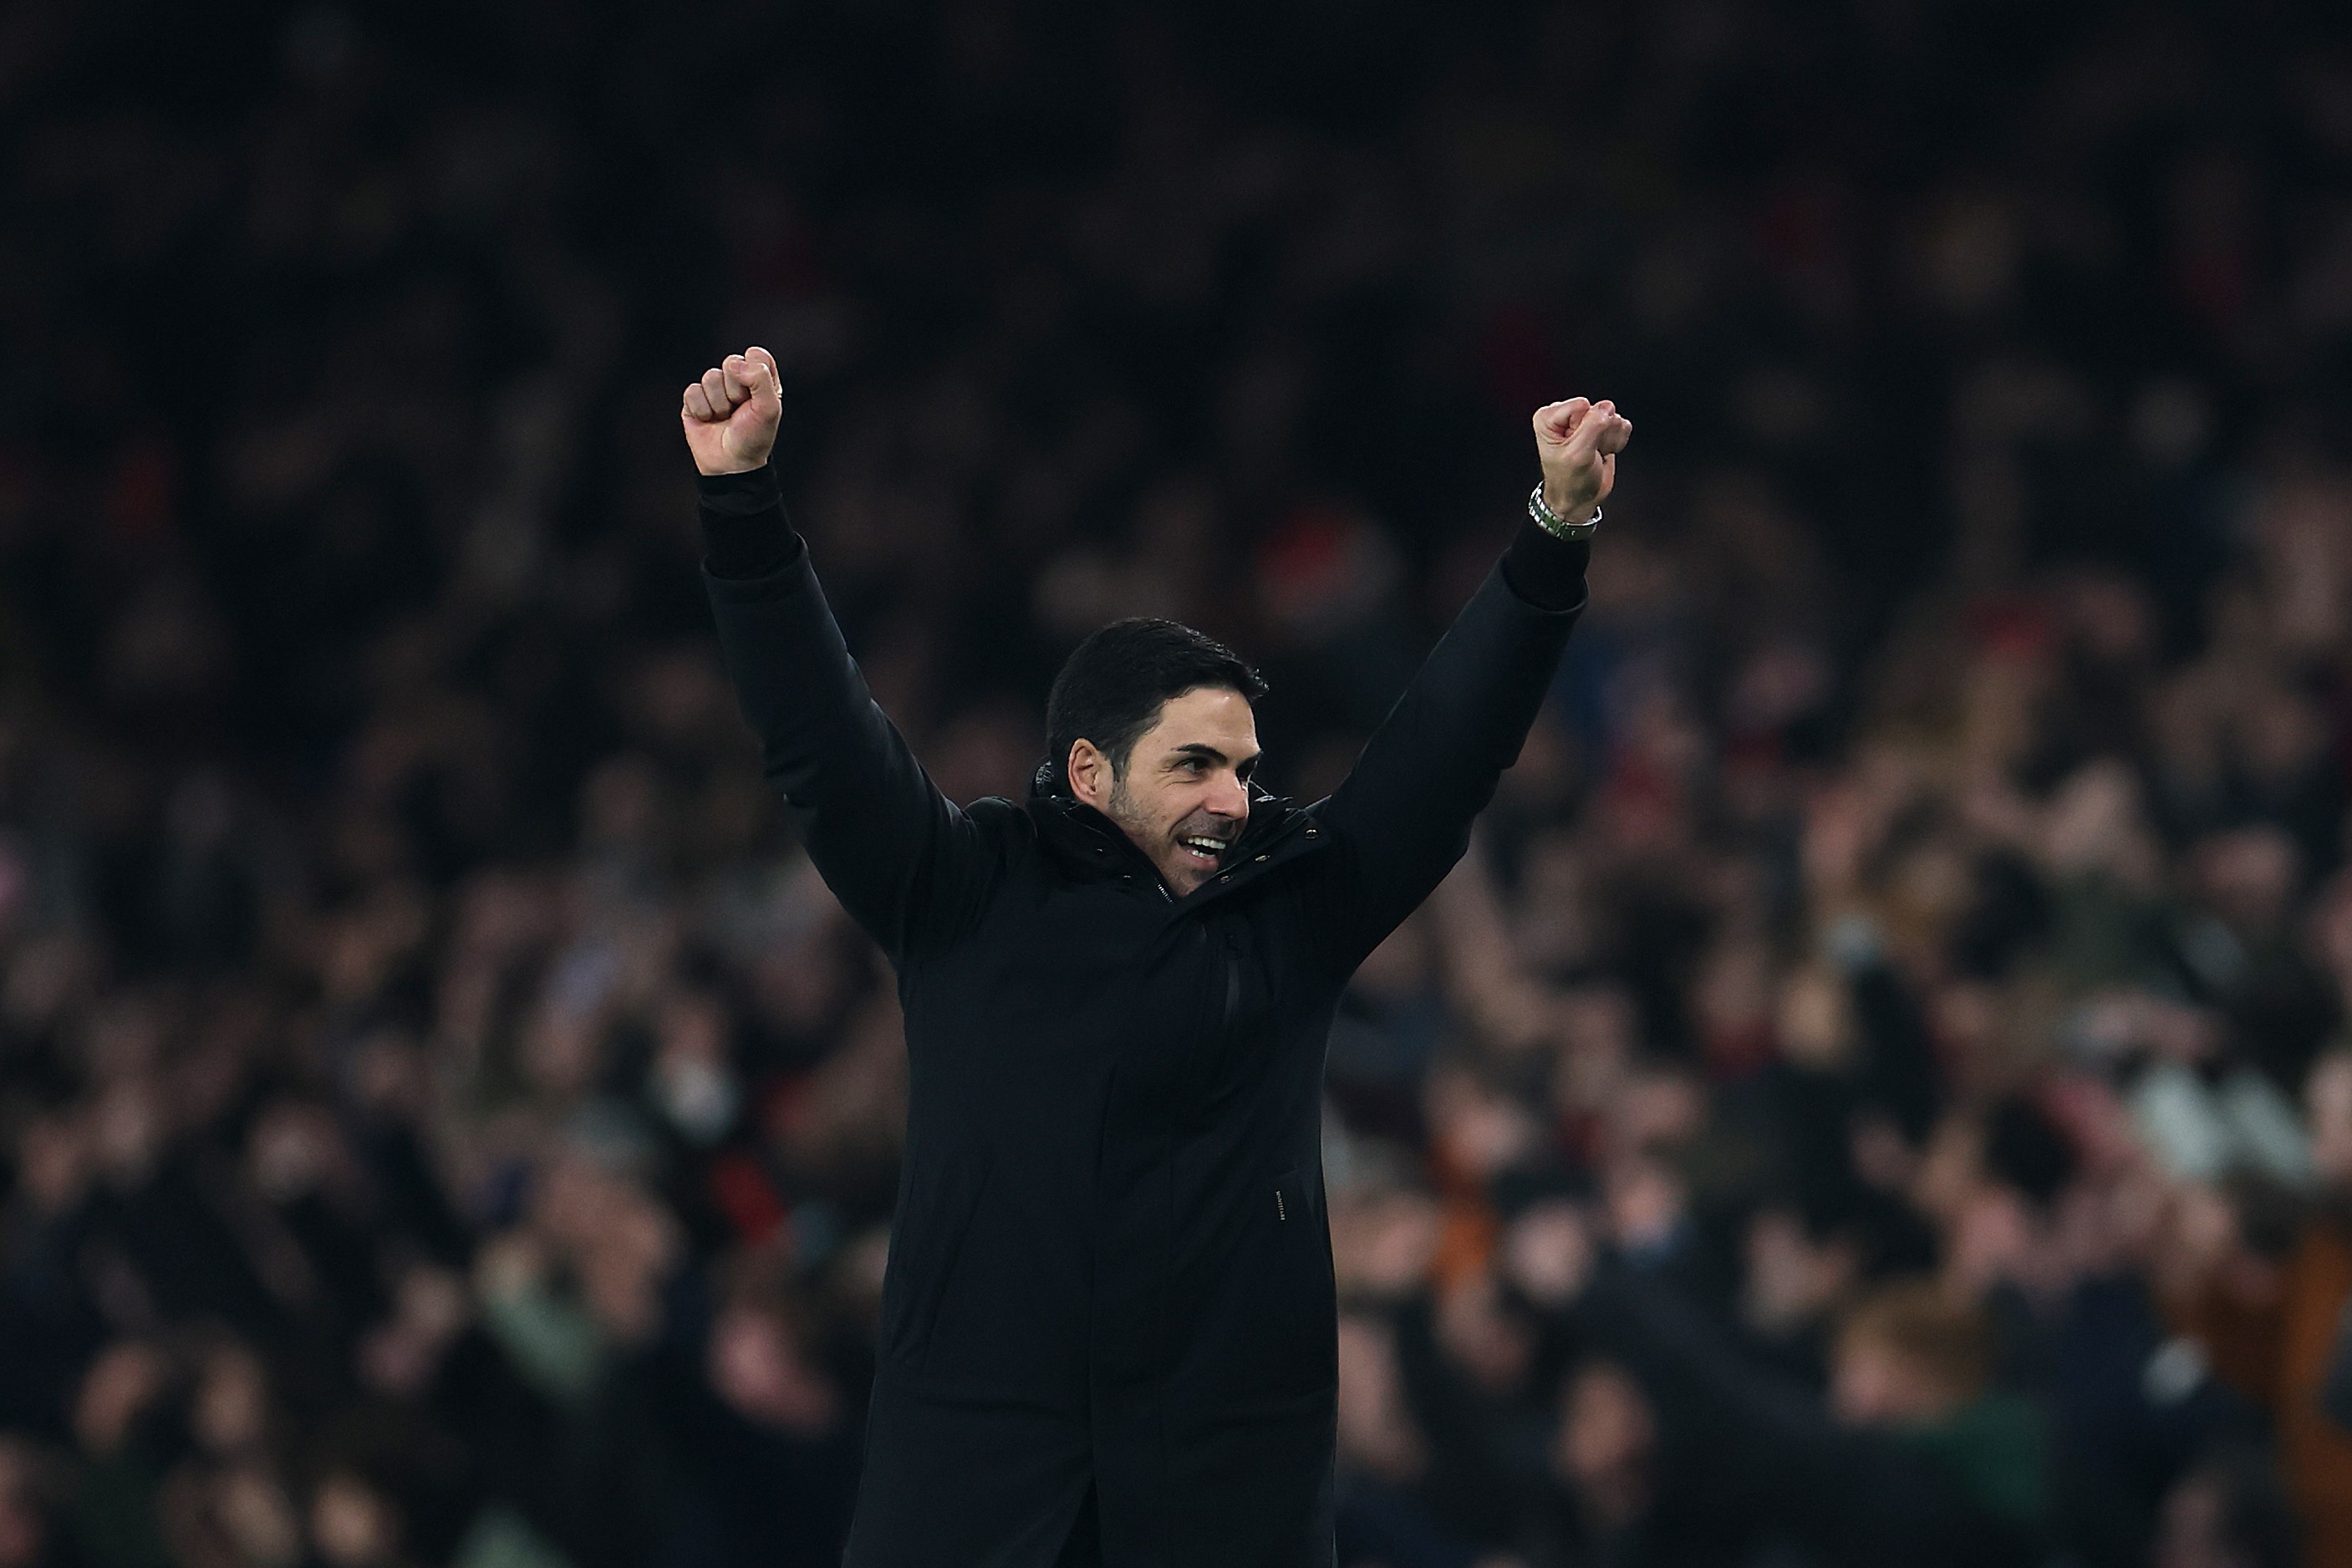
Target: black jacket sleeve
{"type": "Point", "coordinates": [1402, 816]}
{"type": "Point", "coordinates": [903, 860]}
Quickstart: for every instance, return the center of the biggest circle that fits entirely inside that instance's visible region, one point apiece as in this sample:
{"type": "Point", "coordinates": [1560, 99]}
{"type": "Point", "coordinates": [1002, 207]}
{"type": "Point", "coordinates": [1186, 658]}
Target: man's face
{"type": "Point", "coordinates": [1185, 797]}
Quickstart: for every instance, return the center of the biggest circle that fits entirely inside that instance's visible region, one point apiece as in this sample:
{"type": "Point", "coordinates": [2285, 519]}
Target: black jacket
{"type": "Point", "coordinates": [1110, 1267]}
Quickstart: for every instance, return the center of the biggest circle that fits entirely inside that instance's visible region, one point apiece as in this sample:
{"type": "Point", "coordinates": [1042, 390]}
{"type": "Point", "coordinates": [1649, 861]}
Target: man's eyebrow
{"type": "Point", "coordinates": [1209, 754]}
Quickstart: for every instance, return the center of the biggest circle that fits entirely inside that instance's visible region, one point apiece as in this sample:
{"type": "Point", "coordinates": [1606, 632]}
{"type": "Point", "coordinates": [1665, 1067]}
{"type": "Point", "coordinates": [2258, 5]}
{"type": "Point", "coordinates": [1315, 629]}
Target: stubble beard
{"type": "Point", "coordinates": [1158, 847]}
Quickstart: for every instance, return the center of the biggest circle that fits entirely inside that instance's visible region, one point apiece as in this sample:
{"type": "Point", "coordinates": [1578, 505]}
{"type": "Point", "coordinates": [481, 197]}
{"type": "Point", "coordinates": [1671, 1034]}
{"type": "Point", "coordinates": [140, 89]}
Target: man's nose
{"type": "Point", "coordinates": [1231, 797]}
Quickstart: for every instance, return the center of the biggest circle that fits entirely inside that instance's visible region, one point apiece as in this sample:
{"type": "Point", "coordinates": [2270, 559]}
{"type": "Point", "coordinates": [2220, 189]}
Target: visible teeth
{"type": "Point", "coordinates": [1205, 846]}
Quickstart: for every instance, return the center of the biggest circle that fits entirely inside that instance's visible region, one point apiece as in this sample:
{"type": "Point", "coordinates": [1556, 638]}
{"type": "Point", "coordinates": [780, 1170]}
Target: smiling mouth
{"type": "Point", "coordinates": [1202, 849]}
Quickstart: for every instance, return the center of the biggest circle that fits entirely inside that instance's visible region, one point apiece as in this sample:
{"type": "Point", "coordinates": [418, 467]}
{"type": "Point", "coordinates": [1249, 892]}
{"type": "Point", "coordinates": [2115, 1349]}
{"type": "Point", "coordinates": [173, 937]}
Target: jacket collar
{"type": "Point", "coordinates": [1091, 843]}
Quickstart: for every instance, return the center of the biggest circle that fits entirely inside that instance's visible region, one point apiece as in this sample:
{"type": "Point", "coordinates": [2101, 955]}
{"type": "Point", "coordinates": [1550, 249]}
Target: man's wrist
{"type": "Point", "coordinates": [1556, 501]}
{"type": "Point", "coordinates": [723, 473]}
{"type": "Point", "coordinates": [1571, 523]}
{"type": "Point", "coordinates": [732, 469]}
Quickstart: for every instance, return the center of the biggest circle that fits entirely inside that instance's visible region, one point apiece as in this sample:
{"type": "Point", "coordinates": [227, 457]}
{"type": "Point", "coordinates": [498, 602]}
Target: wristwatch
{"type": "Point", "coordinates": [1559, 527]}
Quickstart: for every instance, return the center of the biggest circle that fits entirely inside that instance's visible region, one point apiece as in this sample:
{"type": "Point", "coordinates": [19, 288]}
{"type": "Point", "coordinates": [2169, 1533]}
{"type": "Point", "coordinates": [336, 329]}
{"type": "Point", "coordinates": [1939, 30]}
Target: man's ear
{"type": "Point", "coordinates": [1089, 772]}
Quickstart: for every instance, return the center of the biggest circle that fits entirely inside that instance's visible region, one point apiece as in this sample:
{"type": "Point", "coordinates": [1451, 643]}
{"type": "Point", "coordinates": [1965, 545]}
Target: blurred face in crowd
{"type": "Point", "coordinates": [2328, 1108]}
{"type": "Point", "coordinates": [1606, 1444]}
{"type": "Point", "coordinates": [24, 1533]}
{"type": "Point", "coordinates": [117, 1390]}
{"type": "Point", "coordinates": [230, 1412]}
{"type": "Point", "coordinates": [1874, 1383]}
{"type": "Point", "coordinates": [351, 1524]}
{"type": "Point", "coordinates": [2226, 1513]}
{"type": "Point", "coordinates": [2189, 1533]}
{"type": "Point", "coordinates": [1488, 1344]}
{"type": "Point", "coordinates": [757, 1365]}
{"type": "Point", "coordinates": [1183, 796]}
{"type": "Point", "coordinates": [1792, 1280]}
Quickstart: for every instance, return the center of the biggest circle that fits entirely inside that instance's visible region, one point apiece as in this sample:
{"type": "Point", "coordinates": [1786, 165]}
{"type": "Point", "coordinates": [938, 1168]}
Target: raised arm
{"type": "Point", "coordinates": [905, 862]}
{"type": "Point", "coordinates": [1403, 814]}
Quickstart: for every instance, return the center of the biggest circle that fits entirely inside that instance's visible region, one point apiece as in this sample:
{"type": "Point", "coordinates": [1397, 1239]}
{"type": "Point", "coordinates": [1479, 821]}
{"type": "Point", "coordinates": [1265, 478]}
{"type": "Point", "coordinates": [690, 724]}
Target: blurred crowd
{"type": "Point", "coordinates": [1878, 1090]}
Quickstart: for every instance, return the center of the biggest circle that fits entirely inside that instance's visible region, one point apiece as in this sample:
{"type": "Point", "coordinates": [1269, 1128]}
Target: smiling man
{"type": "Point", "coordinates": [1108, 1325]}
{"type": "Point", "coordinates": [1153, 726]}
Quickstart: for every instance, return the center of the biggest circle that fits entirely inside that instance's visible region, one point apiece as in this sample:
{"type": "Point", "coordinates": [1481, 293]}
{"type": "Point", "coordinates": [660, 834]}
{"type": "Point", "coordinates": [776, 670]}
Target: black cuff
{"type": "Point", "coordinates": [745, 534]}
{"type": "Point", "coordinates": [1545, 570]}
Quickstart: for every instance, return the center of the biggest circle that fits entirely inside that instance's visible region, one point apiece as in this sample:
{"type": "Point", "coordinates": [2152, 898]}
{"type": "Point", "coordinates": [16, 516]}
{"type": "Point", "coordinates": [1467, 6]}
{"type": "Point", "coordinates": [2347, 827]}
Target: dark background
{"type": "Point", "coordinates": [444, 1121]}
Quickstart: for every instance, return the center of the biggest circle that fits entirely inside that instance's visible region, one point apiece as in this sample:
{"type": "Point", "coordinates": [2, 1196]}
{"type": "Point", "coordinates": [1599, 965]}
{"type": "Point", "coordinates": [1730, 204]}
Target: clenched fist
{"type": "Point", "coordinates": [731, 414]}
{"type": "Point", "coordinates": [1578, 442]}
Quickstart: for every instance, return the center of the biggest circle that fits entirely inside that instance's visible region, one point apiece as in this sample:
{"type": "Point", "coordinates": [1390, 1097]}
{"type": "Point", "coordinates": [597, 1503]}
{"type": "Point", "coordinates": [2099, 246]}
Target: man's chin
{"type": "Point", "coordinates": [1183, 870]}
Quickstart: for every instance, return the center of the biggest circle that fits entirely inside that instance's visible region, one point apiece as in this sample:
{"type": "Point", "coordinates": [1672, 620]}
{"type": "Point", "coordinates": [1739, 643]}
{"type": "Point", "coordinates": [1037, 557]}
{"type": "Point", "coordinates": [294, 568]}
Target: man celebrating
{"type": "Point", "coordinates": [1108, 1325]}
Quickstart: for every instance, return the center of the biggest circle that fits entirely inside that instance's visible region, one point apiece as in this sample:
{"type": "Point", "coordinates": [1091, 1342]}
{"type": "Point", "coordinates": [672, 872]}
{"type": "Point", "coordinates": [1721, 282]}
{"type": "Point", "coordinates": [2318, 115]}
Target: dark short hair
{"type": "Point", "coordinates": [1114, 684]}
